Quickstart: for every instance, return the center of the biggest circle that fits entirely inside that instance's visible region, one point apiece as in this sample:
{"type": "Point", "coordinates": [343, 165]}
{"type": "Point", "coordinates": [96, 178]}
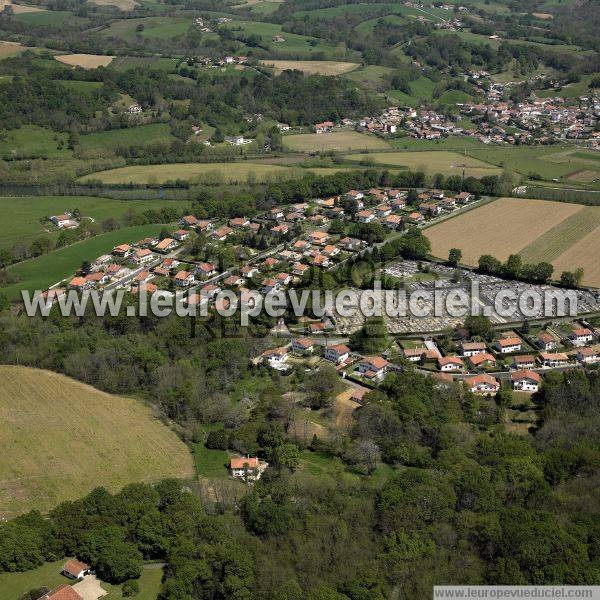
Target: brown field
{"type": "Point", "coordinates": [584, 254]}
{"type": "Point", "coordinates": [87, 61]}
{"type": "Point", "coordinates": [122, 4]}
{"type": "Point", "coordinates": [311, 67]}
{"type": "Point", "coordinates": [10, 49]}
{"type": "Point", "coordinates": [585, 176]}
{"type": "Point", "coordinates": [544, 16]}
{"type": "Point", "coordinates": [61, 439]}
{"type": "Point", "coordinates": [337, 140]}
{"type": "Point", "coordinates": [343, 409]}
{"type": "Point", "coordinates": [20, 8]}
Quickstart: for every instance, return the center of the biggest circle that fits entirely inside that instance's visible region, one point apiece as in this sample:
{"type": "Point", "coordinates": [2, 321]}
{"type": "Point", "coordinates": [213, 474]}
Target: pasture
{"type": "Point", "coordinates": [124, 5]}
{"type": "Point", "coordinates": [43, 271]}
{"type": "Point", "coordinates": [448, 163]}
{"type": "Point", "coordinates": [153, 27]}
{"type": "Point", "coordinates": [67, 438]}
{"type": "Point", "coordinates": [22, 217]}
{"type": "Point", "coordinates": [46, 17]}
{"type": "Point", "coordinates": [337, 140]}
{"type": "Point", "coordinates": [311, 67]}
{"type": "Point", "coordinates": [216, 173]}
{"type": "Point", "coordinates": [141, 135]}
{"type": "Point", "coordinates": [31, 141]}
{"type": "Point", "coordinates": [85, 61]}
{"type": "Point", "coordinates": [566, 235]}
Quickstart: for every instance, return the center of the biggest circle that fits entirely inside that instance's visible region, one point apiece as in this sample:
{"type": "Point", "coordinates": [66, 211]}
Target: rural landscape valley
{"type": "Point", "coordinates": [299, 299]}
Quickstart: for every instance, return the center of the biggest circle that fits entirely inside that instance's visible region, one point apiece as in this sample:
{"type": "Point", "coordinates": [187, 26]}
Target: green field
{"type": "Point", "coordinates": [31, 141]}
{"type": "Point", "coordinates": [41, 272]}
{"type": "Point", "coordinates": [13, 585]}
{"type": "Point", "coordinates": [371, 75]}
{"type": "Point", "coordinates": [21, 216]}
{"type": "Point", "coordinates": [431, 14]}
{"type": "Point", "coordinates": [81, 87]}
{"type": "Point", "coordinates": [123, 63]}
{"type": "Point", "coordinates": [46, 17]}
{"type": "Point", "coordinates": [337, 140]}
{"type": "Point", "coordinates": [421, 89]}
{"type": "Point", "coordinates": [141, 135]}
{"type": "Point", "coordinates": [67, 438]}
{"type": "Point", "coordinates": [211, 463]}
{"type": "Point", "coordinates": [448, 163]}
{"type": "Point", "coordinates": [215, 173]}
{"type": "Point", "coordinates": [154, 27]}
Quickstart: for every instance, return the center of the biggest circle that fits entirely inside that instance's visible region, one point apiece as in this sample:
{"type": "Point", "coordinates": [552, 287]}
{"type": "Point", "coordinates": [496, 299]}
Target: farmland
{"type": "Point", "coordinates": [10, 49]}
{"type": "Point", "coordinates": [131, 136]}
{"type": "Point", "coordinates": [566, 235]}
{"type": "Point", "coordinates": [31, 141]}
{"type": "Point", "coordinates": [310, 67]}
{"type": "Point", "coordinates": [214, 173]}
{"type": "Point", "coordinates": [55, 457]}
{"type": "Point", "coordinates": [152, 27]}
{"type": "Point", "coordinates": [448, 163]}
{"type": "Point", "coordinates": [41, 272]}
{"type": "Point", "coordinates": [86, 61]}
{"type": "Point", "coordinates": [338, 140]}
{"type": "Point", "coordinates": [23, 216]}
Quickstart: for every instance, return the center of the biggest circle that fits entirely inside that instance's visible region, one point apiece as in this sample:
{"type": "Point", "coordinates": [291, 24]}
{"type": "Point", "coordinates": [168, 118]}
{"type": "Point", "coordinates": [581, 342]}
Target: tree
{"type": "Point", "coordinates": [513, 266]}
{"type": "Point", "coordinates": [454, 256]}
{"type": "Point", "coordinates": [365, 453]}
{"type": "Point", "coordinates": [480, 326]}
{"type": "Point", "coordinates": [371, 338]}
{"type": "Point", "coordinates": [286, 456]}
{"type": "Point", "coordinates": [489, 265]}
{"type": "Point", "coordinates": [321, 387]}
{"type": "Point", "coordinates": [217, 439]}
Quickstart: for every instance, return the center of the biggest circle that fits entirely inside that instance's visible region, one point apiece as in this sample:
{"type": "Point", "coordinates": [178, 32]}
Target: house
{"type": "Point", "coordinates": [399, 204]}
{"type": "Point", "coordinates": [275, 356]}
{"type": "Point", "coordinates": [449, 203]}
{"type": "Point", "coordinates": [464, 197]}
{"type": "Point", "coordinates": [238, 222]}
{"type": "Point", "coordinates": [450, 363]}
{"type": "Point", "coordinates": [269, 285]}
{"type": "Point", "coordinates": [373, 368]}
{"type": "Point", "coordinates": [205, 269]}
{"type": "Point", "coordinates": [320, 260]}
{"type": "Point", "coordinates": [581, 336]}
{"type": "Point", "coordinates": [80, 284]}
{"type": "Point", "coordinates": [181, 235]}
{"type": "Point", "coordinates": [288, 255]}
{"type": "Point", "coordinates": [115, 270]}
{"type": "Point", "coordinates": [588, 355]}
{"type": "Point", "coordinates": [365, 216]}
{"type": "Point", "coordinates": [383, 210]}
{"type": "Point", "coordinates": [65, 220]}
{"type": "Point", "coordinates": [427, 208]}
{"type": "Point", "coordinates": [142, 277]}
{"type": "Point", "coordinates": [275, 214]}
{"type": "Point", "coordinates": [188, 221]}
{"type": "Point", "coordinates": [75, 569]}
{"type": "Point", "coordinates": [62, 592]}
{"type": "Point", "coordinates": [524, 361]}
{"type": "Point", "coordinates": [525, 380]}
{"type": "Point", "coordinates": [482, 384]}
{"type": "Point", "coordinates": [393, 222]}
{"type": "Point", "coordinates": [318, 237]}
{"type": "Point", "coordinates": [337, 354]}
{"type": "Point", "coordinates": [97, 278]}
{"type": "Point", "coordinates": [184, 278]}
{"type": "Point", "coordinates": [149, 288]}
{"type": "Point", "coordinates": [508, 345]}
{"type": "Point", "coordinates": [546, 341]}
{"type": "Point", "coordinates": [204, 225]}
{"type": "Point", "coordinates": [233, 281]}
{"type": "Point", "coordinates": [301, 246]}
{"type": "Point", "coordinates": [122, 250]}
{"type": "Point", "coordinates": [270, 262]}
{"type": "Point", "coordinates": [281, 229]}
{"type": "Point", "coordinates": [142, 256]}
{"type": "Point", "coordinates": [437, 194]}
{"type": "Point", "coordinates": [324, 127]}
{"type": "Point", "coordinates": [299, 269]}
{"type": "Point", "coordinates": [294, 217]}
{"type": "Point", "coordinates": [331, 250]}
{"type": "Point", "coordinates": [414, 354]}
{"type": "Point", "coordinates": [357, 394]}
{"type": "Point", "coordinates": [302, 346]}
{"type": "Point", "coordinates": [352, 244]}
{"type": "Point", "coordinates": [354, 195]}
{"type": "Point", "coordinates": [415, 218]}
{"type": "Point", "coordinates": [249, 271]}
{"type": "Point", "coordinates": [557, 359]}
{"type": "Point", "coordinates": [396, 194]}
{"type": "Point", "coordinates": [247, 468]}
{"type": "Point", "coordinates": [483, 360]}
{"type": "Point", "coordinates": [210, 291]}
{"type": "Point", "coordinates": [472, 348]}
{"type": "Point", "coordinates": [165, 245]}
{"type": "Point", "coordinates": [283, 278]}
{"type": "Point", "coordinates": [221, 233]}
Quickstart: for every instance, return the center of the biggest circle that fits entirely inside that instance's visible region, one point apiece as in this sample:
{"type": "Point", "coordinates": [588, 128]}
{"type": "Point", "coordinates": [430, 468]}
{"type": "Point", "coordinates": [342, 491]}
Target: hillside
{"type": "Point", "coordinates": [67, 438]}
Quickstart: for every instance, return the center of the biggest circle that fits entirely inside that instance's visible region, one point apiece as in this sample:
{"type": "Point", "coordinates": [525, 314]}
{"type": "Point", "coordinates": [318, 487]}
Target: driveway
{"type": "Point", "coordinates": [89, 588]}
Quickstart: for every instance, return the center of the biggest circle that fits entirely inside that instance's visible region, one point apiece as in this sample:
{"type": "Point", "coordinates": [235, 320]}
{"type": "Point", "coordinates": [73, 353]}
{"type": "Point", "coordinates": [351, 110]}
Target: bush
{"type": "Point", "coordinates": [130, 588]}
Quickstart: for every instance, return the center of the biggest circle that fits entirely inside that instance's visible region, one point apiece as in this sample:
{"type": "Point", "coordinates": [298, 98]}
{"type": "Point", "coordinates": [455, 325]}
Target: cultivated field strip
{"type": "Point", "coordinates": [584, 253]}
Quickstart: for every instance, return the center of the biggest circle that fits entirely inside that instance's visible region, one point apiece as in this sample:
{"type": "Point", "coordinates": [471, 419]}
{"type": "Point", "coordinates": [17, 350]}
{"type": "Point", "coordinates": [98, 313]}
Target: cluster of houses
{"type": "Point", "coordinates": [65, 221]}
{"type": "Point", "coordinates": [74, 570]}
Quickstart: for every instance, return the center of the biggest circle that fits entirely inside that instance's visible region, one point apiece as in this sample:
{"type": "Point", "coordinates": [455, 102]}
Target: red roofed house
{"type": "Point", "coordinates": [122, 250]}
{"type": "Point", "coordinates": [508, 344]}
{"type": "Point", "coordinates": [188, 221]}
{"type": "Point", "coordinates": [483, 360]}
{"type": "Point", "coordinates": [588, 355]}
{"type": "Point", "coordinates": [581, 337]}
{"type": "Point", "coordinates": [184, 278]}
{"type": "Point", "coordinates": [525, 361]}
{"type": "Point", "coordinates": [249, 468]}
{"type": "Point", "coordinates": [221, 233]}
{"type": "Point", "coordinates": [62, 592]}
{"type": "Point", "coordinates": [181, 235]}
{"type": "Point", "coordinates": [373, 368]}
{"type": "Point", "coordinates": [546, 341]}
{"type": "Point", "coordinates": [75, 569]}
{"type": "Point", "coordinates": [337, 354]}
{"type": "Point", "coordinates": [165, 245]}
{"type": "Point", "coordinates": [302, 346]}
{"type": "Point", "coordinates": [482, 384]}
{"type": "Point", "coordinates": [318, 237]}
{"type": "Point", "coordinates": [450, 363]}
{"type": "Point", "coordinates": [80, 284]}
{"type": "Point", "coordinates": [142, 256]}
{"type": "Point", "coordinates": [472, 348]}
{"type": "Point", "coordinates": [525, 380]}
{"type": "Point", "coordinates": [557, 359]}
{"type": "Point", "coordinates": [205, 269]}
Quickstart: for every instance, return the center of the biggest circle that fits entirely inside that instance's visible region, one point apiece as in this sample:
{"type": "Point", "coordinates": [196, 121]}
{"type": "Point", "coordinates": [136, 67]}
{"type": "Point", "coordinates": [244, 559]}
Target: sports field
{"type": "Point", "coordinates": [311, 67]}
{"type": "Point", "coordinates": [566, 235]}
{"type": "Point", "coordinates": [448, 163]}
{"type": "Point", "coordinates": [86, 61]}
{"type": "Point", "coordinates": [337, 140]}
{"type": "Point", "coordinates": [67, 438]}
{"type": "Point", "coordinates": [216, 173]}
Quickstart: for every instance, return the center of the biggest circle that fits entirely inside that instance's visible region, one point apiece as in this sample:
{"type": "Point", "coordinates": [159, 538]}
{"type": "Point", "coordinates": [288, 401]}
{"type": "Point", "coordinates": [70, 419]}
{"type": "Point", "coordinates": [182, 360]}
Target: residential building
{"type": "Point", "coordinates": [75, 569]}
{"type": "Point", "coordinates": [482, 384]}
{"type": "Point", "coordinates": [450, 363]}
{"type": "Point", "coordinates": [557, 359]}
{"type": "Point", "coordinates": [472, 348]}
{"type": "Point", "coordinates": [337, 354]}
{"type": "Point", "coordinates": [302, 346]}
{"type": "Point", "coordinates": [247, 468]}
{"type": "Point", "coordinates": [525, 380]}
{"type": "Point", "coordinates": [373, 368]}
{"type": "Point", "coordinates": [508, 345]}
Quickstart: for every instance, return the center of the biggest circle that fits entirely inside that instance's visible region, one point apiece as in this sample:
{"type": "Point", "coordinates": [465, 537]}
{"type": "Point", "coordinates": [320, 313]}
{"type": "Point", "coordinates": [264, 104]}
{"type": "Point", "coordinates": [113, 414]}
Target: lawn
{"type": "Point", "coordinates": [311, 67]}
{"type": "Point", "coordinates": [207, 172]}
{"type": "Point", "coordinates": [448, 163]}
{"type": "Point", "coordinates": [338, 140]}
{"type": "Point", "coordinates": [567, 235]}
{"type": "Point", "coordinates": [150, 582]}
{"type": "Point", "coordinates": [21, 216]}
{"type": "Point", "coordinates": [372, 75]}
{"type": "Point", "coordinates": [141, 135]}
{"type": "Point", "coordinates": [211, 463]}
{"type": "Point", "coordinates": [31, 141]}
{"type": "Point", "coordinates": [54, 457]}
{"type": "Point", "coordinates": [41, 272]}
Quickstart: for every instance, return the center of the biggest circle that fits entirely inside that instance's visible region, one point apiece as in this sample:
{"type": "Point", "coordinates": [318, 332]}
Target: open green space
{"type": "Point", "coordinates": [141, 135]}
{"type": "Point", "coordinates": [153, 27]}
{"type": "Point", "coordinates": [31, 141]}
{"type": "Point", "coordinates": [337, 140]}
{"type": "Point", "coordinates": [46, 17]}
{"type": "Point", "coordinates": [81, 87]}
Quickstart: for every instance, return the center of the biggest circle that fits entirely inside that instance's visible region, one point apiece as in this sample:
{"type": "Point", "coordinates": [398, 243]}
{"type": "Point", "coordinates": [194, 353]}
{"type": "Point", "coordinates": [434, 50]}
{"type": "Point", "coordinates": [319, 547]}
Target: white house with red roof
{"type": "Point", "coordinates": [249, 468]}
{"type": "Point", "coordinates": [450, 363]}
{"type": "Point", "coordinates": [525, 380]}
{"type": "Point", "coordinates": [482, 384]}
{"type": "Point", "coordinates": [374, 367]}
{"type": "Point", "coordinates": [75, 569]}
{"type": "Point", "coordinates": [337, 354]}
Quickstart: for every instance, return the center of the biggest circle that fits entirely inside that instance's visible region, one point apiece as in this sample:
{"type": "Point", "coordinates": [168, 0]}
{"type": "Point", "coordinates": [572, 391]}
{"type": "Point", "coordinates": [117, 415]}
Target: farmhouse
{"type": "Point", "coordinates": [525, 380]}
{"type": "Point", "coordinates": [482, 384]}
{"type": "Point", "coordinates": [324, 127]}
{"type": "Point", "coordinates": [64, 221]}
{"type": "Point", "coordinates": [302, 346]}
{"type": "Point", "coordinates": [337, 354]}
{"type": "Point", "coordinates": [508, 345]}
{"type": "Point", "coordinates": [557, 359]}
{"type": "Point", "coordinates": [75, 569]}
{"type": "Point", "coordinates": [248, 468]}
{"type": "Point", "coordinates": [450, 363]}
